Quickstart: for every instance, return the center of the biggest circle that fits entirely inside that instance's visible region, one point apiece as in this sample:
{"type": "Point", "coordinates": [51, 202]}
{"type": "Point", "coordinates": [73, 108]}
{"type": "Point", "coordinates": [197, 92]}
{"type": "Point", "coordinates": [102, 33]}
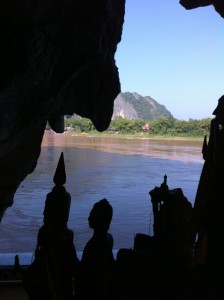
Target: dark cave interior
{"type": "Point", "coordinates": [50, 52]}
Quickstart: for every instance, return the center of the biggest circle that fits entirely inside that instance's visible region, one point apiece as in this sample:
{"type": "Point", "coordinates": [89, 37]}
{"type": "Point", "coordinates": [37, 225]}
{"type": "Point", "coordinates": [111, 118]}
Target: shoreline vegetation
{"type": "Point", "coordinates": [161, 128]}
{"type": "Point", "coordinates": [107, 134]}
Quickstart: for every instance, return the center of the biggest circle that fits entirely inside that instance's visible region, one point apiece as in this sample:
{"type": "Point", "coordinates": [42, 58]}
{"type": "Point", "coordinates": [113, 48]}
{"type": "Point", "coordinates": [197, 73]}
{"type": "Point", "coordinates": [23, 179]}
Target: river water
{"type": "Point", "coordinates": [123, 170]}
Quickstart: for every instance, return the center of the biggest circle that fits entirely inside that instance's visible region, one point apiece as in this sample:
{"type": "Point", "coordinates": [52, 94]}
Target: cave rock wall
{"type": "Point", "coordinates": [57, 58]}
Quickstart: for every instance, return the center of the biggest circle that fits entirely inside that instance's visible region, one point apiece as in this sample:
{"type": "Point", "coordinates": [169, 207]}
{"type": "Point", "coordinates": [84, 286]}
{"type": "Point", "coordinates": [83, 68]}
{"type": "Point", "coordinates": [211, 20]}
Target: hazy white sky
{"type": "Point", "coordinates": [174, 55]}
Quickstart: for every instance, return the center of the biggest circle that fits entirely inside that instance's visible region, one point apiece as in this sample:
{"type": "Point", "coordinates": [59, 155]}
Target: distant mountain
{"type": "Point", "coordinates": [134, 106]}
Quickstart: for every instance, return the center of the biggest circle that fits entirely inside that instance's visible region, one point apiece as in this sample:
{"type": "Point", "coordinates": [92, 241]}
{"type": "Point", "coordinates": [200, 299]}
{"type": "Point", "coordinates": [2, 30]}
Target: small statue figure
{"type": "Point", "coordinates": [158, 197]}
{"type": "Point", "coordinates": [173, 219]}
{"type": "Point", "coordinates": [51, 274]}
{"type": "Point", "coordinates": [97, 261]}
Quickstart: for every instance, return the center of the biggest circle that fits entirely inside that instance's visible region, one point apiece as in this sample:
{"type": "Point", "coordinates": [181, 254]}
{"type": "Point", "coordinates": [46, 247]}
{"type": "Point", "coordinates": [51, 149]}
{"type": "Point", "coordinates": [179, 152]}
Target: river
{"type": "Point", "coordinates": [123, 170]}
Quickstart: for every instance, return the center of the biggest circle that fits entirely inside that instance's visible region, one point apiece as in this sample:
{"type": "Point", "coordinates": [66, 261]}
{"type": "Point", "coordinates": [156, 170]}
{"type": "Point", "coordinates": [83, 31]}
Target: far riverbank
{"type": "Point", "coordinates": [174, 148]}
{"type": "Point", "coordinates": [137, 136]}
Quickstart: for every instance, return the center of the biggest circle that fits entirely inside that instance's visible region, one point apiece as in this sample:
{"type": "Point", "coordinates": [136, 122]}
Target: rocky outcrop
{"type": "Point", "coordinates": [124, 109]}
{"type": "Point", "coordinates": [57, 58]}
{"type": "Point", "coordinates": [134, 106]}
{"type": "Point", "coordinates": [191, 4]}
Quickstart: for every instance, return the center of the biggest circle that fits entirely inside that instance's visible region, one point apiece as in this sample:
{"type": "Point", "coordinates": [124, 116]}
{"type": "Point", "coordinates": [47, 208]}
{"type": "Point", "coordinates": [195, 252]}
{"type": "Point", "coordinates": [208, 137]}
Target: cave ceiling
{"type": "Point", "coordinates": [57, 58]}
{"type": "Point", "coordinates": [217, 4]}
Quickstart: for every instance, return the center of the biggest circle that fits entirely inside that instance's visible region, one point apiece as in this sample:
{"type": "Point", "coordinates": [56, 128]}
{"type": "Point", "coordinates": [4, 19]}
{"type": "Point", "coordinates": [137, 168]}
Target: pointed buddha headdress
{"type": "Point", "coordinates": [60, 175]}
{"type": "Point", "coordinates": [58, 201]}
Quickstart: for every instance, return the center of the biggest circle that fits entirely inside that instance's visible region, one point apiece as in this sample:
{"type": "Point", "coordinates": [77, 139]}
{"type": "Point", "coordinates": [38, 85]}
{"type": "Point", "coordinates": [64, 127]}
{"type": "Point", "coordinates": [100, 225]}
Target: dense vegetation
{"type": "Point", "coordinates": [161, 126]}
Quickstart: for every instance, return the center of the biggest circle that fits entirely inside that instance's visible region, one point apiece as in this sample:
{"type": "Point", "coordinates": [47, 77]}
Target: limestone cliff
{"type": "Point", "coordinates": [134, 106]}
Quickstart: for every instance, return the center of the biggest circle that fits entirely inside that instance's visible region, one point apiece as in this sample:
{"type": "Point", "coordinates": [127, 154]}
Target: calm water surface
{"type": "Point", "coordinates": [123, 170]}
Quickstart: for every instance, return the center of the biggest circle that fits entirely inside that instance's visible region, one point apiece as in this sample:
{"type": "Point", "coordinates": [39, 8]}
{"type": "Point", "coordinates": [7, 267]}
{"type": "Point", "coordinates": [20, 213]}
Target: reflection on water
{"type": "Point", "coordinates": [123, 170]}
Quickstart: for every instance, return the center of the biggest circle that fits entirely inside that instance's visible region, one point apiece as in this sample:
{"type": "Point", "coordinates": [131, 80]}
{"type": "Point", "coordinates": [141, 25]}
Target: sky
{"type": "Point", "coordinates": [173, 55]}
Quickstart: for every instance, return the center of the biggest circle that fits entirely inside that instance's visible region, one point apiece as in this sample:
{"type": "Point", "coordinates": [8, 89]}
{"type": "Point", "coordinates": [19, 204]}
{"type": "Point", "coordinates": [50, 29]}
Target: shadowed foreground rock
{"type": "Point", "coordinates": [57, 58]}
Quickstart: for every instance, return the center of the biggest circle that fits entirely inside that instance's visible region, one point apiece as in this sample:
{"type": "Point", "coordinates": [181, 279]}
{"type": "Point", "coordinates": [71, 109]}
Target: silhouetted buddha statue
{"type": "Point", "coordinates": [208, 221]}
{"type": "Point", "coordinates": [51, 274]}
{"type": "Point", "coordinates": [97, 261]}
